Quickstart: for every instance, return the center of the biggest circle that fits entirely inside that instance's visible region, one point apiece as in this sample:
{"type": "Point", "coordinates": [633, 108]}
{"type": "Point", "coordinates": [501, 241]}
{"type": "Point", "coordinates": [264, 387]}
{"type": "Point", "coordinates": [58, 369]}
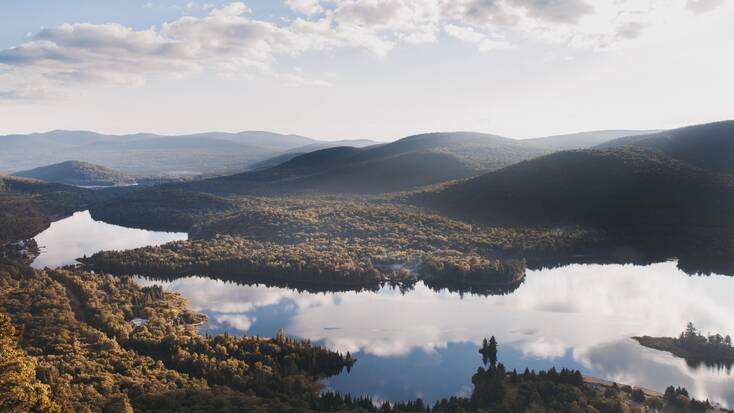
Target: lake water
{"type": "Point", "coordinates": [423, 343]}
{"type": "Point", "coordinates": [73, 237]}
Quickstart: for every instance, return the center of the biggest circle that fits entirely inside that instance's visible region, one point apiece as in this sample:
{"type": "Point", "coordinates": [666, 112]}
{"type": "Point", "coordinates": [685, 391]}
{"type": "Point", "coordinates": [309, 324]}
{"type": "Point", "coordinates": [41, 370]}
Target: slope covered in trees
{"type": "Point", "coordinates": [693, 346]}
{"type": "Point", "coordinates": [612, 188]}
{"type": "Point", "coordinates": [583, 140]}
{"type": "Point", "coordinates": [77, 173]}
{"type": "Point", "coordinates": [88, 356]}
{"type": "Point", "coordinates": [708, 146]}
{"type": "Point", "coordinates": [407, 163]}
{"type": "Point", "coordinates": [69, 345]}
{"type": "Point", "coordinates": [20, 389]}
{"type": "Point", "coordinates": [28, 206]}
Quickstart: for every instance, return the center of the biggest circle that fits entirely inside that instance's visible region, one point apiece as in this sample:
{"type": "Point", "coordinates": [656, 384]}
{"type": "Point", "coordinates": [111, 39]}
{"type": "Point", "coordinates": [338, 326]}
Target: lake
{"type": "Point", "coordinates": [73, 237]}
{"type": "Point", "coordinates": [423, 343]}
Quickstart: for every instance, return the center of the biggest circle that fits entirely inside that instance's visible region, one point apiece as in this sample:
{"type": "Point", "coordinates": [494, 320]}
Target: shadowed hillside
{"type": "Point", "coordinates": [28, 206]}
{"type": "Point", "coordinates": [407, 163]}
{"type": "Point", "coordinates": [77, 173]}
{"type": "Point", "coordinates": [605, 188]}
{"type": "Point", "coordinates": [709, 146]}
{"type": "Point", "coordinates": [583, 140]}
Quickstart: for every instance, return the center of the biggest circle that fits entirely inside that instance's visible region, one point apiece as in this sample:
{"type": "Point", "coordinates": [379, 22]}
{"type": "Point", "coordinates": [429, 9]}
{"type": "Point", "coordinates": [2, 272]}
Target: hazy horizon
{"type": "Point", "coordinates": [327, 139]}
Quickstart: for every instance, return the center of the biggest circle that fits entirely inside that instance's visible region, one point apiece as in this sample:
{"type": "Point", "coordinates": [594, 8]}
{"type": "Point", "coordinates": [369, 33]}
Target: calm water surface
{"type": "Point", "coordinates": [424, 343]}
{"type": "Point", "coordinates": [73, 237]}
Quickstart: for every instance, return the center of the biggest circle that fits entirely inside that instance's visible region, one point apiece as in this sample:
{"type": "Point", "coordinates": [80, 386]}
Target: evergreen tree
{"type": "Point", "coordinates": [493, 352]}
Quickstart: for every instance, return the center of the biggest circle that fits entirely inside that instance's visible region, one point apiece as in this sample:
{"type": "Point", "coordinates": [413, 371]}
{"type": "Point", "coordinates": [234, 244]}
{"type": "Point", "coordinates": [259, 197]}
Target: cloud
{"type": "Point", "coordinates": [237, 321]}
{"type": "Point", "coordinates": [466, 34]}
{"type": "Point", "coordinates": [469, 35]}
{"type": "Point", "coordinates": [307, 7]}
{"type": "Point", "coordinates": [297, 79]}
{"type": "Point", "coordinates": [703, 6]}
{"type": "Point", "coordinates": [563, 11]}
{"type": "Point", "coordinates": [630, 30]}
{"type": "Point", "coordinates": [230, 40]}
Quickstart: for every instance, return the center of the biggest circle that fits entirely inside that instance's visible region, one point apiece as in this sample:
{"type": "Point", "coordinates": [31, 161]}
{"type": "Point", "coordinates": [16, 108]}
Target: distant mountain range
{"type": "Point", "coordinates": [219, 153]}
{"type": "Point", "coordinates": [291, 164]}
{"type": "Point", "coordinates": [406, 163]}
{"type": "Point", "coordinates": [153, 155]}
{"type": "Point", "coordinates": [78, 174]}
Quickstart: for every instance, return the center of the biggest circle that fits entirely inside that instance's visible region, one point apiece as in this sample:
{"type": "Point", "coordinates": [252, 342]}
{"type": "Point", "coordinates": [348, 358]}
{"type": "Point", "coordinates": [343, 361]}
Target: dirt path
{"type": "Point", "coordinates": [76, 304]}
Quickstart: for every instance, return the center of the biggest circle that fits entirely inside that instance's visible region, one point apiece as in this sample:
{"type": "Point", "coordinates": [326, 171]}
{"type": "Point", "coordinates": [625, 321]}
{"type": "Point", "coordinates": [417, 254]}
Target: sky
{"type": "Point", "coordinates": [375, 69]}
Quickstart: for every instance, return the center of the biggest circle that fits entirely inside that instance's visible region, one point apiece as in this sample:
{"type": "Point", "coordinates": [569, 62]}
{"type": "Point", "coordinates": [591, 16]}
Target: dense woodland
{"type": "Point", "coordinates": [709, 146]}
{"type": "Point", "coordinates": [612, 188]}
{"type": "Point", "coordinates": [28, 206]}
{"type": "Point", "coordinates": [68, 345]}
{"type": "Point", "coordinates": [692, 345]}
{"type": "Point", "coordinates": [332, 264]}
{"type": "Point", "coordinates": [332, 242]}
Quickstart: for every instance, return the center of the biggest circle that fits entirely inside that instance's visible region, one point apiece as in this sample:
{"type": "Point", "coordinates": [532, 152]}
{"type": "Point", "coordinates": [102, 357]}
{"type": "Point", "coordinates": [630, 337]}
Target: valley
{"type": "Point", "coordinates": [300, 286]}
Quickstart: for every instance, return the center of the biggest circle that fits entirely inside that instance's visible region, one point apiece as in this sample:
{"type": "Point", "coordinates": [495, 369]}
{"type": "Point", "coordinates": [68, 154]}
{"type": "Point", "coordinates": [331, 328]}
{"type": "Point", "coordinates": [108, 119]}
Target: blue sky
{"type": "Point", "coordinates": [378, 69]}
{"type": "Point", "coordinates": [20, 17]}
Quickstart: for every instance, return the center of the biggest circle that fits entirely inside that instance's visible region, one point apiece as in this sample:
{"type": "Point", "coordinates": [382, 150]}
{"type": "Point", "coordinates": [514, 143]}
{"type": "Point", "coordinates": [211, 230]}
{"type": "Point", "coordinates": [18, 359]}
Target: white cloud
{"type": "Point", "coordinates": [233, 9]}
{"type": "Point", "coordinates": [563, 11]}
{"type": "Point", "coordinates": [307, 7]}
{"type": "Point", "coordinates": [466, 34]}
{"type": "Point", "coordinates": [297, 79]}
{"type": "Point", "coordinates": [237, 321]}
{"type": "Point", "coordinates": [230, 40]}
{"type": "Point", "coordinates": [575, 315]}
{"type": "Point", "coordinates": [488, 44]}
{"type": "Point", "coordinates": [703, 6]}
{"type": "Point", "coordinates": [630, 30]}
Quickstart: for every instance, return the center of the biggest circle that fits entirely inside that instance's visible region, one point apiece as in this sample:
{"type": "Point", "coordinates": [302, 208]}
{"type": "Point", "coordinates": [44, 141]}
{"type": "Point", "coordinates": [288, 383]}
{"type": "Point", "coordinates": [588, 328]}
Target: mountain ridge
{"type": "Point", "coordinates": [709, 146]}
{"type": "Point", "coordinates": [413, 161]}
{"type": "Point", "coordinates": [77, 173]}
{"type": "Point", "coordinates": [612, 187]}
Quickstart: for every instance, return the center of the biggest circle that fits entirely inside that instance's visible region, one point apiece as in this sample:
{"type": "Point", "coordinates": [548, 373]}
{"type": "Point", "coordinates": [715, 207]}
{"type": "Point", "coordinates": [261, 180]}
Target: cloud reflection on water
{"type": "Point", "coordinates": [579, 316]}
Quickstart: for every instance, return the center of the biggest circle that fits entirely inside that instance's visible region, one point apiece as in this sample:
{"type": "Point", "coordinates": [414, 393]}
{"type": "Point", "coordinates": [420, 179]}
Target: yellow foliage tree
{"type": "Point", "coordinates": [20, 390]}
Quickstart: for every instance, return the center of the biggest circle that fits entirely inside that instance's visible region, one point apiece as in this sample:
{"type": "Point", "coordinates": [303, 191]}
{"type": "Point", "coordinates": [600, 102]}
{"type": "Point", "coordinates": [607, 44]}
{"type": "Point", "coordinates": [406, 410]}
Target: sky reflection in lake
{"type": "Point", "coordinates": [72, 237]}
{"type": "Point", "coordinates": [423, 343]}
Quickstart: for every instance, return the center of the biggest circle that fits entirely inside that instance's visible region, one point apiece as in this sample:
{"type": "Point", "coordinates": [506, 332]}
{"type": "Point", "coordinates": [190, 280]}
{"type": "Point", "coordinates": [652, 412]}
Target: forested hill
{"type": "Point", "coordinates": [78, 173]}
{"type": "Point", "coordinates": [605, 188]}
{"type": "Point", "coordinates": [407, 163]}
{"type": "Point", "coordinates": [480, 151]}
{"type": "Point", "coordinates": [27, 206]}
{"type": "Point", "coordinates": [13, 185]}
{"type": "Point", "coordinates": [708, 146]}
{"type": "Point", "coordinates": [583, 140]}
